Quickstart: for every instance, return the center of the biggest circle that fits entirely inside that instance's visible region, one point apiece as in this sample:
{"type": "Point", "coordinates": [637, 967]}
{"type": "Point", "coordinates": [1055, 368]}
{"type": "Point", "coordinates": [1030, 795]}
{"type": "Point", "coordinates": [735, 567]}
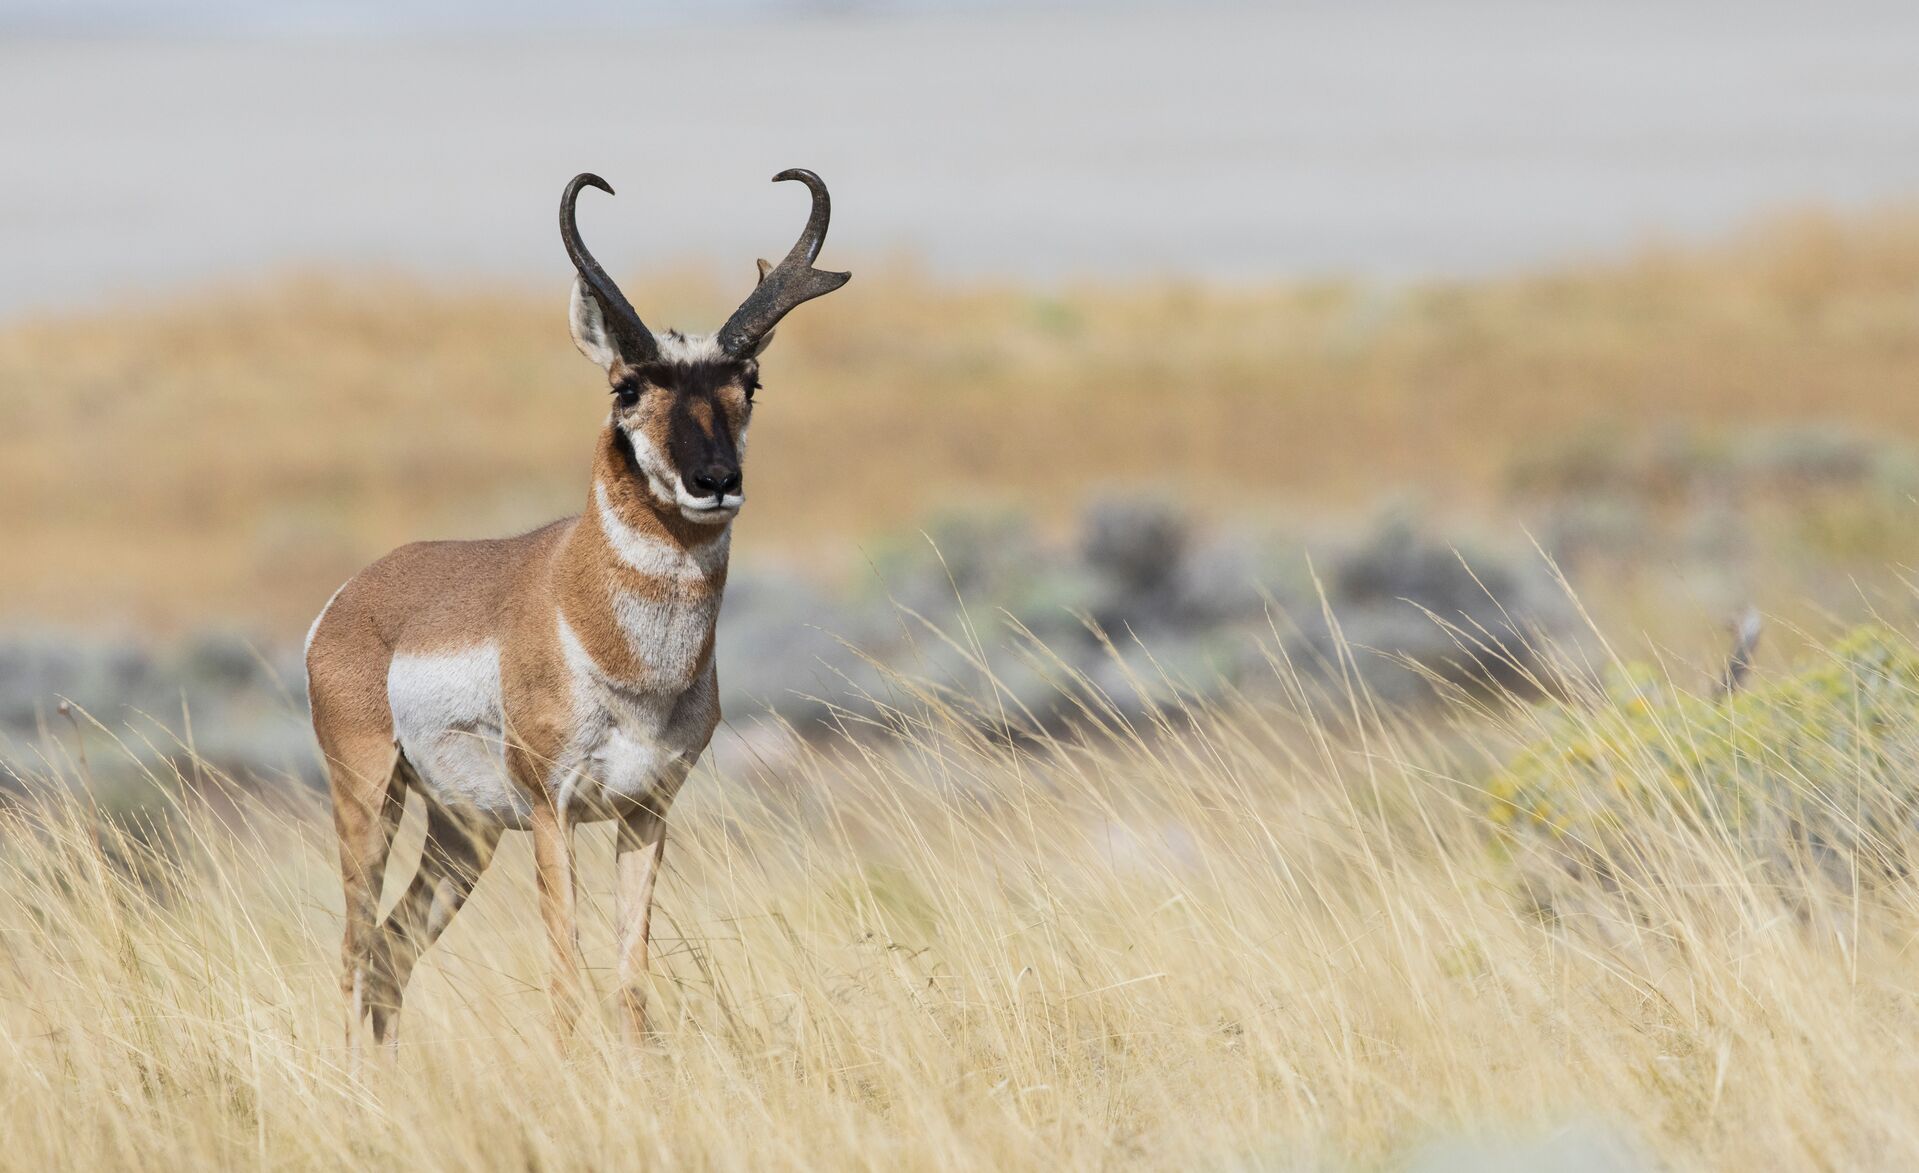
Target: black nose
{"type": "Point", "coordinates": [715, 480]}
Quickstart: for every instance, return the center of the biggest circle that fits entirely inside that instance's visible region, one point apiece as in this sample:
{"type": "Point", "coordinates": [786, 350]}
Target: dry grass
{"type": "Point", "coordinates": [1248, 937]}
{"type": "Point", "coordinates": [232, 457]}
{"type": "Point", "coordinates": [1249, 941]}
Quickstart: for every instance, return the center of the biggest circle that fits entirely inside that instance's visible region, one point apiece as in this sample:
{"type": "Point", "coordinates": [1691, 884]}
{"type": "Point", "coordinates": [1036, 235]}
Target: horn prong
{"type": "Point", "coordinates": [794, 280]}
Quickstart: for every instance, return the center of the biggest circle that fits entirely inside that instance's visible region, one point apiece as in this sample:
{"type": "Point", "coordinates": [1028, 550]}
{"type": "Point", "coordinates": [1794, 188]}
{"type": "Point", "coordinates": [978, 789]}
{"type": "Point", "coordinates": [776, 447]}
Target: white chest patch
{"type": "Point", "coordinates": [666, 628]}
{"type": "Point", "coordinates": [630, 743]}
{"type": "Point", "coordinates": [668, 636]}
{"type": "Point", "coordinates": [447, 719]}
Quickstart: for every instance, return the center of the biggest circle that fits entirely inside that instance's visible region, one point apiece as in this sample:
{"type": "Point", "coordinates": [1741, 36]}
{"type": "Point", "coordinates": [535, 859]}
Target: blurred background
{"type": "Point", "coordinates": [1172, 322]}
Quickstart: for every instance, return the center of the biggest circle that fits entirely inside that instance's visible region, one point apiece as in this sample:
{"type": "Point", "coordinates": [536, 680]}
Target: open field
{"type": "Point", "coordinates": [1022, 909]}
{"type": "Point", "coordinates": [231, 458]}
{"type": "Point", "coordinates": [1238, 938]}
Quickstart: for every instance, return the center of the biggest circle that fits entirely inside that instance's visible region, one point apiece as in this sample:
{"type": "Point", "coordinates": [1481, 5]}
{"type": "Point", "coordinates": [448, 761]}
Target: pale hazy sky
{"type": "Point", "coordinates": [1382, 137]}
{"type": "Point", "coordinates": [386, 17]}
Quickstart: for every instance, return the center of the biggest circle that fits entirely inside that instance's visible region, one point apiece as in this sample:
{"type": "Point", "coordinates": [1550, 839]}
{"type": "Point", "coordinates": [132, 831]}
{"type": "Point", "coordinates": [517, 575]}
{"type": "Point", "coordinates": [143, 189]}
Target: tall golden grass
{"type": "Point", "coordinates": [233, 456]}
{"type": "Point", "coordinates": [1266, 935]}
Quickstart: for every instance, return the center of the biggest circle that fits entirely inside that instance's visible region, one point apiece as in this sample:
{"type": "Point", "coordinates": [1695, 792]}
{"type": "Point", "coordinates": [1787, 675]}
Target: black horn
{"type": "Point", "coordinates": [788, 283]}
{"type": "Point", "coordinates": [630, 335]}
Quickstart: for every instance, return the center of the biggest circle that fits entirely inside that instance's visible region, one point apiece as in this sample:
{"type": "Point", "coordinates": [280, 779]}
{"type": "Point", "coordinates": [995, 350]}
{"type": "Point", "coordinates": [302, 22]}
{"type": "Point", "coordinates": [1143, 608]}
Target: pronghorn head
{"type": "Point", "coordinates": [682, 401]}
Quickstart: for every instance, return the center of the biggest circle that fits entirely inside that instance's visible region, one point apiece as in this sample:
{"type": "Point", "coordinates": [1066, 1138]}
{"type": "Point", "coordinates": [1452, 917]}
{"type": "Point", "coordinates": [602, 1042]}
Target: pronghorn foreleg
{"type": "Point", "coordinates": [553, 860]}
{"type": "Point", "coordinates": [455, 853]}
{"type": "Point", "coordinates": [638, 851]}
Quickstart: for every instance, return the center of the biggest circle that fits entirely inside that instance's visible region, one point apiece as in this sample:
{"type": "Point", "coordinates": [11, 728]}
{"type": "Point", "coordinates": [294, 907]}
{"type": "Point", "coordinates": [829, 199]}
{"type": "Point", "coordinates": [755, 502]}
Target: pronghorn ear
{"type": "Point", "coordinates": [588, 325]}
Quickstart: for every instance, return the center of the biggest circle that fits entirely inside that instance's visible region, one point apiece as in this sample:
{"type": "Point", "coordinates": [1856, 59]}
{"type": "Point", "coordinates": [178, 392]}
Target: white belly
{"type": "Point", "coordinates": [447, 719]}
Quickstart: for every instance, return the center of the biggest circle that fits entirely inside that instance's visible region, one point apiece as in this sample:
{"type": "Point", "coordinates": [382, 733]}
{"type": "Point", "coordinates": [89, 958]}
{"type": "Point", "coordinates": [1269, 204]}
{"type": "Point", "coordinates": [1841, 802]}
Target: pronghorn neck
{"type": "Point", "coordinates": [622, 505]}
{"type": "Point", "coordinates": [639, 587]}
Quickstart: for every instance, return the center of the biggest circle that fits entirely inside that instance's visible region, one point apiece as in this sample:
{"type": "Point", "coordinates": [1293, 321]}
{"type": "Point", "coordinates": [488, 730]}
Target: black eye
{"type": "Point", "coordinates": [626, 394]}
{"type": "Point", "coordinates": [752, 385]}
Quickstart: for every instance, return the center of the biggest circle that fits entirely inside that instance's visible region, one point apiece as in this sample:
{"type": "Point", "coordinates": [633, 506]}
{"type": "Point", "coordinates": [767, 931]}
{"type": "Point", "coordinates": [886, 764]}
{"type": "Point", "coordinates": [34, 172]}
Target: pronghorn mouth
{"type": "Point", "coordinates": [711, 508]}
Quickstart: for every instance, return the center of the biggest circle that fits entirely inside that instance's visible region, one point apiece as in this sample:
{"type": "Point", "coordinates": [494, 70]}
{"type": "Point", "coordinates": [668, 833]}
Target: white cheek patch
{"type": "Point", "coordinates": [661, 478]}
{"type": "Point", "coordinates": [447, 718]}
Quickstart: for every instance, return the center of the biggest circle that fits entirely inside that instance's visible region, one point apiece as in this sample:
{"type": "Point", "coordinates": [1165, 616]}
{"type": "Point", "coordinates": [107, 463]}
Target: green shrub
{"type": "Point", "coordinates": [1826, 758]}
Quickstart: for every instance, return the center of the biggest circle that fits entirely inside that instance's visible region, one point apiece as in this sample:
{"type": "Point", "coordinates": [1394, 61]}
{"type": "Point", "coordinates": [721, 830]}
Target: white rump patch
{"type": "Point", "coordinates": [447, 718]}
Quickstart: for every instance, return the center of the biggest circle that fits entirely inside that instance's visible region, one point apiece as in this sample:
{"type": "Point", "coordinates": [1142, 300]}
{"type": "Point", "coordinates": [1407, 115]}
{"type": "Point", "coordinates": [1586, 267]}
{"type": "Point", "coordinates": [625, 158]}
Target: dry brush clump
{"type": "Point", "coordinates": [1143, 600]}
{"type": "Point", "coordinates": [1790, 505]}
{"type": "Point", "coordinates": [1261, 935]}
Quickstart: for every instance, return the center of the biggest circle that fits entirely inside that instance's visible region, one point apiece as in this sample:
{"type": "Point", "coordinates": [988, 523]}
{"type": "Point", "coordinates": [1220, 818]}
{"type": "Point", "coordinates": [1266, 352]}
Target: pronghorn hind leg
{"type": "Point", "coordinates": [455, 853]}
{"type": "Point", "coordinates": [638, 851]}
{"type": "Point", "coordinates": [369, 796]}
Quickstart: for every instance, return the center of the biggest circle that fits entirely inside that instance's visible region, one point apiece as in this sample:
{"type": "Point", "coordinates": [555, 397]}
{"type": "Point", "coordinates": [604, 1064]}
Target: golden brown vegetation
{"type": "Point", "coordinates": [1276, 932]}
{"type": "Point", "coordinates": [1242, 938]}
{"type": "Point", "coordinates": [236, 455]}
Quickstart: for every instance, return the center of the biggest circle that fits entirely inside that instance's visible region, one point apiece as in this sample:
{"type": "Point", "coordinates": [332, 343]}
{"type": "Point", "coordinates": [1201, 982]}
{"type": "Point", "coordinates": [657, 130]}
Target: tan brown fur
{"type": "Point", "coordinates": [431, 597]}
{"type": "Point", "coordinates": [564, 674]}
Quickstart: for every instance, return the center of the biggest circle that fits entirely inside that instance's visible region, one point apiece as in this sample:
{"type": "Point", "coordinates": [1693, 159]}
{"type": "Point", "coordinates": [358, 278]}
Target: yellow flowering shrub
{"type": "Point", "coordinates": [1828, 756]}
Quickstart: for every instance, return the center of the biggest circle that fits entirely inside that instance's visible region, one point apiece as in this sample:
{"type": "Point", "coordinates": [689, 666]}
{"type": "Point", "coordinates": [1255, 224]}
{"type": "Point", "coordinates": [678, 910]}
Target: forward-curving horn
{"type": "Point", "coordinates": [788, 283]}
{"type": "Point", "coordinates": [634, 341]}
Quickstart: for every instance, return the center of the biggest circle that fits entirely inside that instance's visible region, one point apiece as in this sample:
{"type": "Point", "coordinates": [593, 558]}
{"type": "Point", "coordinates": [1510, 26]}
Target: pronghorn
{"type": "Point", "coordinates": [563, 675]}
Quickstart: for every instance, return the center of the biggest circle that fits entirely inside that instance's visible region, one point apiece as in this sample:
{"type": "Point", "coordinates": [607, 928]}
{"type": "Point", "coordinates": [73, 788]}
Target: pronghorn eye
{"type": "Point", "coordinates": [626, 394]}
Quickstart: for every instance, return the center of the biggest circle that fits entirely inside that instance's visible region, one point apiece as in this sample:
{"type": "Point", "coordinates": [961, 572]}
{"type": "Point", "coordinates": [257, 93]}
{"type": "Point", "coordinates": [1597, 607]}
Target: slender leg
{"type": "Point", "coordinates": [638, 850]}
{"type": "Point", "coordinates": [553, 858]}
{"type": "Point", "coordinates": [455, 854]}
{"type": "Point", "coordinates": [367, 804]}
